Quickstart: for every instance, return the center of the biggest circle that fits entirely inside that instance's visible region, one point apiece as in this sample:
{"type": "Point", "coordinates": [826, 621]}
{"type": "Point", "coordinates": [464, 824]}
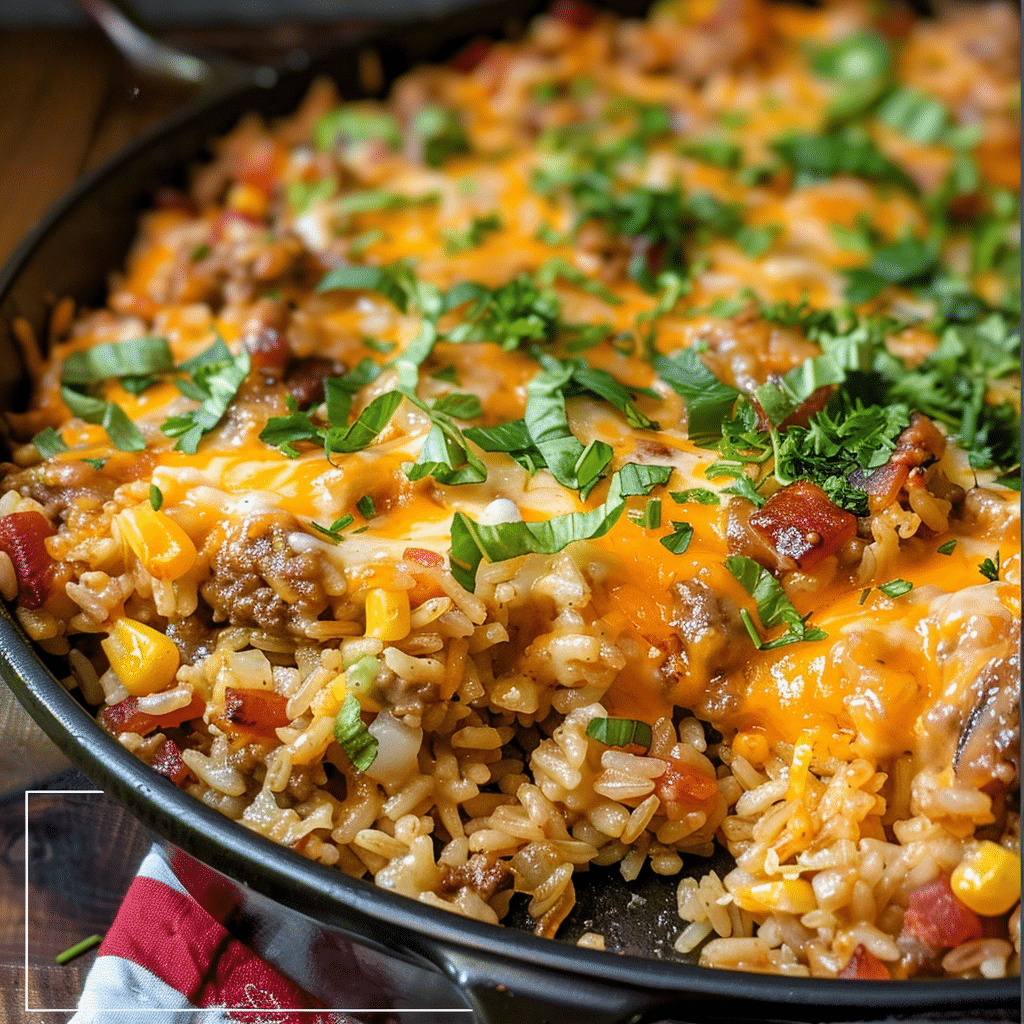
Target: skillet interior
{"type": "Point", "coordinates": [69, 254]}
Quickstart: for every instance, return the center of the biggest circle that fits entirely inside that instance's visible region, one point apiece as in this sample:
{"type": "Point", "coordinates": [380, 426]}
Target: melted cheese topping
{"type": "Point", "coordinates": [883, 662]}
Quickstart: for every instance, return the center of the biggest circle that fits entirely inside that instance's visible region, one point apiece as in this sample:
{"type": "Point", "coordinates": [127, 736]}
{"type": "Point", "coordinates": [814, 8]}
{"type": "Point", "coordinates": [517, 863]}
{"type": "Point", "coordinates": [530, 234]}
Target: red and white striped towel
{"type": "Point", "coordinates": [165, 953]}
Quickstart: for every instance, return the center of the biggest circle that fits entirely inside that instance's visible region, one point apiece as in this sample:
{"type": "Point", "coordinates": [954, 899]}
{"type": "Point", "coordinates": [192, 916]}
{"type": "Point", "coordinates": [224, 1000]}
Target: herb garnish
{"type": "Point", "coordinates": [774, 608]}
{"type": "Point", "coordinates": [990, 569]}
{"type": "Point", "coordinates": [619, 732]}
{"type": "Point", "coordinates": [355, 739]}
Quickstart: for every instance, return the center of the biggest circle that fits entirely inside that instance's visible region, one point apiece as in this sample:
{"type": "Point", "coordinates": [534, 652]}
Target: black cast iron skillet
{"type": "Point", "coordinates": [304, 918]}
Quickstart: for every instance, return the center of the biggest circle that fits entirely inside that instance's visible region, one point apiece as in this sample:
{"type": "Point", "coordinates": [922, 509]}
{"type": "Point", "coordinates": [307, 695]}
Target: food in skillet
{"type": "Point", "coordinates": [605, 446]}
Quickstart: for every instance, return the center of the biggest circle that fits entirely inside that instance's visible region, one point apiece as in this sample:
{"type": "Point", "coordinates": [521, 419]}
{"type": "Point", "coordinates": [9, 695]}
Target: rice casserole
{"type": "Point", "coordinates": [603, 447]}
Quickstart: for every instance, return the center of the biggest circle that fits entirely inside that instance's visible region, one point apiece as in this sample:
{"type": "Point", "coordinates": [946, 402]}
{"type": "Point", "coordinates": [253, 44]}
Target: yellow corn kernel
{"type": "Point", "coordinates": [387, 615]}
{"type": "Point", "coordinates": [247, 200]}
{"type": "Point", "coordinates": [988, 879]}
{"type": "Point", "coordinates": [144, 660]}
{"type": "Point", "coordinates": [753, 746]}
{"type": "Point", "coordinates": [161, 545]}
{"type": "Point", "coordinates": [790, 896]}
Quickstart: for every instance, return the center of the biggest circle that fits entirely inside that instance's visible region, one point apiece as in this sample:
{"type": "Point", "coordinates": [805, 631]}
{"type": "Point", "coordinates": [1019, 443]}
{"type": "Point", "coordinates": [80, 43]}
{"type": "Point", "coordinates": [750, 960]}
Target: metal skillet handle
{"type": "Point", "coordinates": [151, 56]}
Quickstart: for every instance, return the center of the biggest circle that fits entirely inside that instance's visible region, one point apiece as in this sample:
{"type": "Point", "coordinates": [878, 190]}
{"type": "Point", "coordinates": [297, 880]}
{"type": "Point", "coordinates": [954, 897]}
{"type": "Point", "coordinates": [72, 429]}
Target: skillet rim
{"type": "Point", "coordinates": [272, 870]}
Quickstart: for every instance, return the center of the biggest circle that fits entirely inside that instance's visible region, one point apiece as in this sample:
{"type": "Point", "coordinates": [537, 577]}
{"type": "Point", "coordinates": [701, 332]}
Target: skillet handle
{"type": "Point", "coordinates": [507, 992]}
{"type": "Point", "coordinates": [152, 56]}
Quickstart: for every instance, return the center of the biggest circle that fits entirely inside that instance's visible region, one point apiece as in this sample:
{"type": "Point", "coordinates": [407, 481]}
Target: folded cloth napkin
{"type": "Point", "coordinates": [165, 953]}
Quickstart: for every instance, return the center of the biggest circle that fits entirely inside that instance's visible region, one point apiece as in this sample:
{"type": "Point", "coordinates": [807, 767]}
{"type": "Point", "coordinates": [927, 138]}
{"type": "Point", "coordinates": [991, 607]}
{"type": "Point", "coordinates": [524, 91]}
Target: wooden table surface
{"type": "Point", "coordinates": [68, 102]}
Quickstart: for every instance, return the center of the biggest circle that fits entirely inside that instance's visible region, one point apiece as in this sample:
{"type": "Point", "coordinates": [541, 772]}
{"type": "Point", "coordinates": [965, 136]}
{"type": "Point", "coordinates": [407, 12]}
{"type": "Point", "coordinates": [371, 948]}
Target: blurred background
{"type": "Point", "coordinates": [251, 12]}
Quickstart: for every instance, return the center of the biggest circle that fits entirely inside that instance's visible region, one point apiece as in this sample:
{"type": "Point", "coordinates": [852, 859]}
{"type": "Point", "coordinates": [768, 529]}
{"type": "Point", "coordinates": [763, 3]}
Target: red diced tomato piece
{"type": "Point", "coordinates": [256, 712]}
{"type": "Point", "coordinates": [22, 537]}
{"type": "Point", "coordinates": [168, 761]}
{"type": "Point", "coordinates": [935, 916]}
{"type": "Point", "coordinates": [125, 716]}
{"type": "Point", "coordinates": [681, 788]}
{"type": "Point", "coordinates": [421, 556]}
{"type": "Point", "coordinates": [865, 966]}
{"type": "Point", "coordinates": [259, 164]}
{"type": "Point", "coordinates": [802, 523]}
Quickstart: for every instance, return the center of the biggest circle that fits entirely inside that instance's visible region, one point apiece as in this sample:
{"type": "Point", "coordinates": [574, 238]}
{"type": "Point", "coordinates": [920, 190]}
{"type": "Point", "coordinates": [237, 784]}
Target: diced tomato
{"type": "Point", "coordinates": [421, 556]}
{"type": "Point", "coordinates": [681, 788]}
{"type": "Point", "coordinates": [883, 485]}
{"type": "Point", "coordinates": [168, 761]}
{"type": "Point", "coordinates": [470, 57]}
{"type": "Point", "coordinates": [935, 916]}
{"type": "Point", "coordinates": [573, 12]}
{"type": "Point", "coordinates": [259, 164]}
{"type": "Point", "coordinates": [253, 712]}
{"type": "Point", "coordinates": [865, 966]}
{"type": "Point", "coordinates": [125, 716]}
{"type": "Point", "coordinates": [802, 523]}
{"type": "Point", "coordinates": [22, 537]}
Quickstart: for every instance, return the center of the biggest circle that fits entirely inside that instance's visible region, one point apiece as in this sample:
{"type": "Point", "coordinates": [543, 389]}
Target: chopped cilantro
{"type": "Point", "coordinates": [366, 506]}
{"type": "Point", "coordinates": [774, 608]}
{"type": "Point", "coordinates": [619, 732]}
{"type": "Point", "coordinates": [156, 497]}
{"type": "Point", "coordinates": [478, 230]}
{"type": "Point", "coordinates": [701, 495]}
{"type": "Point", "coordinates": [679, 539]}
{"type": "Point", "coordinates": [990, 569]}
{"type": "Point", "coordinates": [334, 532]}
{"type": "Point", "coordinates": [896, 588]}
{"type": "Point", "coordinates": [49, 443]}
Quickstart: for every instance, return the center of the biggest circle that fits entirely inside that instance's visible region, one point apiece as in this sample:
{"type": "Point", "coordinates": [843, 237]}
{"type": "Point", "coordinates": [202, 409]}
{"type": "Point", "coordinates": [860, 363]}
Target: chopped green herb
{"type": "Point", "coordinates": [896, 588]}
{"type": "Point", "coordinates": [142, 357]}
{"type": "Point", "coordinates": [636, 478]}
{"type": "Point", "coordinates": [754, 242]}
{"type": "Point", "coordinates": [78, 949]}
{"type": "Point", "coordinates": [864, 595]}
{"type": "Point", "coordinates": [619, 732]}
{"type": "Point", "coordinates": [334, 532]}
{"type": "Point", "coordinates": [351, 123]}
{"type": "Point", "coordinates": [123, 434]}
{"type": "Point", "coordinates": [472, 542]}
{"type": "Point", "coordinates": [478, 230]}
{"type": "Point", "coordinates": [701, 495]}
{"type": "Point", "coordinates": [383, 347]}
{"type": "Point", "coordinates": [914, 115]}
{"type": "Point", "coordinates": [49, 443]}
{"type": "Point", "coordinates": [774, 608]}
{"type": "Point", "coordinates": [460, 405]}
{"type": "Point", "coordinates": [441, 133]}
{"type": "Point", "coordinates": [649, 518]}
{"type": "Point", "coordinates": [96, 464]}
{"type": "Point", "coordinates": [715, 151]}
{"type": "Point", "coordinates": [904, 262]}
{"type": "Point", "coordinates": [355, 739]}
{"type": "Point", "coordinates": [357, 436]}
{"type": "Point", "coordinates": [847, 151]}
{"type": "Point", "coordinates": [366, 506]}
{"type": "Point", "coordinates": [990, 569]}
{"type": "Point", "coordinates": [214, 385]}
{"type": "Point", "coordinates": [301, 195]}
{"type": "Point", "coordinates": [708, 400]}
{"type": "Point", "coordinates": [679, 539]}
{"type": "Point", "coordinates": [156, 497]}
{"type": "Point", "coordinates": [448, 374]}
{"type": "Point", "coordinates": [948, 548]}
